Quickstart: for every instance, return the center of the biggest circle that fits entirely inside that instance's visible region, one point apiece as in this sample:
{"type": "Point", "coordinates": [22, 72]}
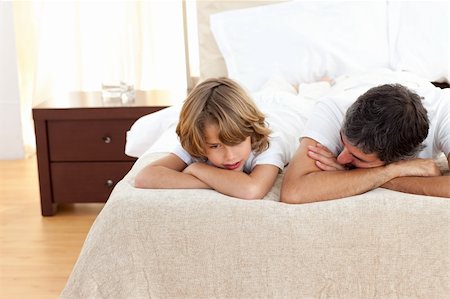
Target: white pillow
{"type": "Point", "coordinates": [302, 40]}
{"type": "Point", "coordinates": [166, 142]}
{"type": "Point", "coordinates": [278, 83]}
{"type": "Point", "coordinates": [419, 38]}
{"type": "Point", "coordinates": [147, 129]}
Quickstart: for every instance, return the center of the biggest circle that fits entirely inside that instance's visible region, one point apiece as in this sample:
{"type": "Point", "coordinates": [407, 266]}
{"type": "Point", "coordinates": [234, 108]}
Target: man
{"type": "Point", "coordinates": [386, 139]}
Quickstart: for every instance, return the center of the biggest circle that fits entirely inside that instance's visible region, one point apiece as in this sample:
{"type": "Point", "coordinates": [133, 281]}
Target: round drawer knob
{"type": "Point", "coordinates": [109, 183]}
{"type": "Point", "coordinates": [107, 139]}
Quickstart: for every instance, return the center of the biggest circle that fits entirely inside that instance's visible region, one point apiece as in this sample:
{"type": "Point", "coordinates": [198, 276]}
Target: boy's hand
{"type": "Point", "coordinates": [324, 158]}
{"type": "Point", "coordinates": [190, 169]}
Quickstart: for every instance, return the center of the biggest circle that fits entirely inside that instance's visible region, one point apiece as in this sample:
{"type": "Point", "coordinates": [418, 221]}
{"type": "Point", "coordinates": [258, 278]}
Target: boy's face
{"type": "Point", "coordinates": [225, 156]}
{"type": "Point", "coordinates": [356, 157]}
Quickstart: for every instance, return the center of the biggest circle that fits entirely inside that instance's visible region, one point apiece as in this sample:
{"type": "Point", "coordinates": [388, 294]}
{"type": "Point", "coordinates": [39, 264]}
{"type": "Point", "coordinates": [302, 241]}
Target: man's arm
{"type": "Point", "coordinates": [236, 183]}
{"type": "Point", "coordinates": [305, 182]}
{"type": "Point", "coordinates": [432, 186]}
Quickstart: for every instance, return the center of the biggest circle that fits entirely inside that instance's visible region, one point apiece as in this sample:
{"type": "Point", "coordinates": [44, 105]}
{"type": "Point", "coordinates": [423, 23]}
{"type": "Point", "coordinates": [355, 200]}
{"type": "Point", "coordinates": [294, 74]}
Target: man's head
{"type": "Point", "coordinates": [387, 122]}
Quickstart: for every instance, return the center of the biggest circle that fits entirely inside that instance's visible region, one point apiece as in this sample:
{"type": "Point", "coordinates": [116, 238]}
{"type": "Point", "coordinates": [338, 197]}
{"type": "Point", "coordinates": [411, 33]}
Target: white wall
{"type": "Point", "coordinates": [11, 141]}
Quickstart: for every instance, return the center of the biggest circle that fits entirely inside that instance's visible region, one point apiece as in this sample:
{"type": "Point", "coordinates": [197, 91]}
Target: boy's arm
{"type": "Point", "coordinates": [305, 182]}
{"type": "Point", "coordinates": [166, 173]}
{"type": "Point", "coordinates": [236, 183]}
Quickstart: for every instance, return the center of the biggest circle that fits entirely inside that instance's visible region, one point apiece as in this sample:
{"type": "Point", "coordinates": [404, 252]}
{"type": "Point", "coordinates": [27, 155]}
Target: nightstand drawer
{"type": "Point", "coordinates": [88, 140]}
{"type": "Point", "coordinates": [80, 144]}
{"type": "Point", "coordinates": [86, 182]}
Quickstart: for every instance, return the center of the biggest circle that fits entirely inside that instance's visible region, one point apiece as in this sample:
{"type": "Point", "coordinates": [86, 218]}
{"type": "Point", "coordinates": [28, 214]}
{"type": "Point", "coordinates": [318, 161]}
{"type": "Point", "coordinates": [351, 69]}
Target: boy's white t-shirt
{"type": "Point", "coordinates": [328, 115]}
{"type": "Point", "coordinates": [279, 153]}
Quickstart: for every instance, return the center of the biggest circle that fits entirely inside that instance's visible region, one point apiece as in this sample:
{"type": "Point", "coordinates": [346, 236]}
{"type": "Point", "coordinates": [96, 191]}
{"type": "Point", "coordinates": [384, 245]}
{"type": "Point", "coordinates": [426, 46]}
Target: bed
{"type": "Point", "coordinates": [203, 244]}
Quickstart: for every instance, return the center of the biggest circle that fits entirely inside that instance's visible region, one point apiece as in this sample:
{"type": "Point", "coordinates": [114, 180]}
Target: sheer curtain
{"type": "Point", "coordinates": [78, 45]}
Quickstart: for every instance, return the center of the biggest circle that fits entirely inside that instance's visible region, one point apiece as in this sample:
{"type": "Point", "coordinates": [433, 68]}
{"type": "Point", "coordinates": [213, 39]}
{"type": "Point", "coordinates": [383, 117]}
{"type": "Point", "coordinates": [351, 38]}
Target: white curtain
{"type": "Point", "coordinates": [78, 45]}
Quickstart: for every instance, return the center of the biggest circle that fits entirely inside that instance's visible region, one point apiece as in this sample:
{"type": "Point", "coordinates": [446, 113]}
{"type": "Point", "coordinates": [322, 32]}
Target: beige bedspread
{"type": "Point", "coordinates": [201, 244]}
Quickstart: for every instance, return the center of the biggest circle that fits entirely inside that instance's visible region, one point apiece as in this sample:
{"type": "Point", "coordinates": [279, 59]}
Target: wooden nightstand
{"type": "Point", "coordinates": [80, 144]}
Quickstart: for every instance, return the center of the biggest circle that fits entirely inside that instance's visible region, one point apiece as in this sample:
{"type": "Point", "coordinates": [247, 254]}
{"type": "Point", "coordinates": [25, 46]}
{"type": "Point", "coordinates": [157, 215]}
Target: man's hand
{"type": "Point", "coordinates": [422, 176]}
{"type": "Point", "coordinates": [416, 167]}
{"type": "Point", "coordinates": [324, 158]}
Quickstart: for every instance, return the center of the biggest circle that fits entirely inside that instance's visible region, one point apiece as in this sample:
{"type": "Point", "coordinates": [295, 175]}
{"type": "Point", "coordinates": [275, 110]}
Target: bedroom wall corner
{"type": "Point", "coordinates": [11, 140]}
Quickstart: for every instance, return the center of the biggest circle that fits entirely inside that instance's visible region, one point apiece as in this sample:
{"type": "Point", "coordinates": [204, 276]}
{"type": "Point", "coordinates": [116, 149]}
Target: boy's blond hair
{"type": "Point", "coordinates": [223, 102]}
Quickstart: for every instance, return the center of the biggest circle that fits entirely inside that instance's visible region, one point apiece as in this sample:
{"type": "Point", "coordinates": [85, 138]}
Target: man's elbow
{"type": "Point", "coordinates": [288, 195]}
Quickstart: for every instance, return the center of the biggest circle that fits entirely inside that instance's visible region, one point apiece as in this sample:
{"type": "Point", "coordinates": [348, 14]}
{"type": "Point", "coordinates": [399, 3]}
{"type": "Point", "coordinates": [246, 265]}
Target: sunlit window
{"type": "Point", "coordinates": [78, 45]}
{"type": "Point", "coordinates": [65, 46]}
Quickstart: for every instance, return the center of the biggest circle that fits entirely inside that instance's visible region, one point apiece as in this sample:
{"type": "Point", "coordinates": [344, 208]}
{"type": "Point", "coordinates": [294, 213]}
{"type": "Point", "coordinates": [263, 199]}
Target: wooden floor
{"type": "Point", "coordinates": [36, 253]}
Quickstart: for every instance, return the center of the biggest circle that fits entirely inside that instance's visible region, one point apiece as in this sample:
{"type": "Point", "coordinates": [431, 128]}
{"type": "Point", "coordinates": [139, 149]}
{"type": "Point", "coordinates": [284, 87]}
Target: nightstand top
{"type": "Point", "coordinates": [82, 99]}
{"type": "Point", "coordinates": [89, 105]}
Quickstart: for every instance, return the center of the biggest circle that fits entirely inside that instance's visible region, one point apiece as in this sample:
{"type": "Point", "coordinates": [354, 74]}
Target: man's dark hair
{"type": "Point", "coordinates": [388, 120]}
